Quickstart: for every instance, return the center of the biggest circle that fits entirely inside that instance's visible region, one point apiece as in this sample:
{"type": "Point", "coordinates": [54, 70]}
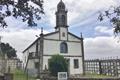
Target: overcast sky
{"type": "Point", "coordinates": [99, 40]}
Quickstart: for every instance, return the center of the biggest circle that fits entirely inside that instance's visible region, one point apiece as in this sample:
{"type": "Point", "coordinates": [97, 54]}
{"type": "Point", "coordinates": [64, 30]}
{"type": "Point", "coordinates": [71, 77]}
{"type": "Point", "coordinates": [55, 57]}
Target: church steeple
{"type": "Point", "coordinates": [61, 16]}
{"type": "Point", "coordinates": [61, 6]}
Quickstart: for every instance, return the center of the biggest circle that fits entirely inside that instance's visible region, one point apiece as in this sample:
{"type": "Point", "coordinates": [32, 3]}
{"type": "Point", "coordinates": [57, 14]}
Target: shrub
{"type": "Point", "coordinates": [56, 64]}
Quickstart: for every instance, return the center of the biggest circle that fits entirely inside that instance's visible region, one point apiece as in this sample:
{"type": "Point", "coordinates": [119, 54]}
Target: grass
{"type": "Point", "coordinates": [20, 75]}
{"type": "Point", "coordinates": [96, 76]}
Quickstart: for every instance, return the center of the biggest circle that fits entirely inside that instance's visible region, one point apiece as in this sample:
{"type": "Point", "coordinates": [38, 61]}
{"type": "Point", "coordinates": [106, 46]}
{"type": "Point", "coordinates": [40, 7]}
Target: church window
{"type": "Point", "coordinates": [61, 7]}
{"type": "Point", "coordinates": [63, 47]}
{"type": "Point", "coordinates": [63, 19]}
{"type": "Point", "coordinates": [36, 65]}
{"type": "Point", "coordinates": [30, 54]}
{"type": "Point", "coordinates": [76, 63]}
{"type": "Point", "coordinates": [63, 34]}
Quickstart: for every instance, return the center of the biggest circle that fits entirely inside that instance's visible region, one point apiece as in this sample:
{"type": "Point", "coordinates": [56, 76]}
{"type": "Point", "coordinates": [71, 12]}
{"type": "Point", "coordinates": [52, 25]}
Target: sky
{"type": "Point", "coordinates": [99, 40]}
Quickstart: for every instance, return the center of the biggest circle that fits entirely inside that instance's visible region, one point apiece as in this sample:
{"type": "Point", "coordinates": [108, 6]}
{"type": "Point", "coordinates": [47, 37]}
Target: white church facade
{"type": "Point", "coordinates": [60, 42]}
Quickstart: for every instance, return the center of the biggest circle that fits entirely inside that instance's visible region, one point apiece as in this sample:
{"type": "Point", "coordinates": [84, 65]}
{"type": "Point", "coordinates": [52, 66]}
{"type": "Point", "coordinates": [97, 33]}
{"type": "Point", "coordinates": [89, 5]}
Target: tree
{"type": "Point", "coordinates": [113, 14]}
{"type": "Point", "coordinates": [9, 50]}
{"type": "Point", "coordinates": [21, 8]}
{"type": "Point", "coordinates": [57, 64]}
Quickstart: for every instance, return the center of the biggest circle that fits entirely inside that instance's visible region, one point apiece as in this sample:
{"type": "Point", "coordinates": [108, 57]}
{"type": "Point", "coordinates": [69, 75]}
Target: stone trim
{"type": "Point", "coordinates": [59, 33]}
{"type": "Point", "coordinates": [61, 40]}
{"type": "Point", "coordinates": [82, 46]}
{"type": "Point", "coordinates": [61, 26]}
{"type": "Point", "coordinates": [67, 35]}
{"type": "Point", "coordinates": [65, 55]}
{"type": "Point", "coordinates": [75, 36]}
{"type": "Point", "coordinates": [50, 33]}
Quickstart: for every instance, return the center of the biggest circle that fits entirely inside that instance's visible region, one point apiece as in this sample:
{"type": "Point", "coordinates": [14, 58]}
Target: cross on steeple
{"type": "Point", "coordinates": [81, 35]}
{"type": "Point", "coordinates": [41, 30]}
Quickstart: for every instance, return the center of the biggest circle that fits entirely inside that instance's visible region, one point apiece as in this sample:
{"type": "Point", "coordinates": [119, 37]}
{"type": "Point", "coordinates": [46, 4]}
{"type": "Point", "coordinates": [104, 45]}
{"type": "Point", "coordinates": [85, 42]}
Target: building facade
{"type": "Point", "coordinates": [60, 42]}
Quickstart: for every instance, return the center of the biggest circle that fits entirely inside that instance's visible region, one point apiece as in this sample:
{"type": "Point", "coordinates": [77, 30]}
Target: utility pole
{"type": "Point", "coordinates": [38, 57]}
{"type": "Point", "coordinates": [40, 53]}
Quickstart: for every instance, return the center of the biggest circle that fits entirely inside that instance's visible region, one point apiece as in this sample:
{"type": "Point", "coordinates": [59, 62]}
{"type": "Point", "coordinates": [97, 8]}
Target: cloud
{"type": "Point", "coordinates": [20, 39]}
{"type": "Point", "coordinates": [103, 30]}
{"type": "Point", "coordinates": [77, 10]}
{"type": "Point", "coordinates": [101, 47]}
{"type": "Point", "coordinates": [82, 10]}
{"type": "Point", "coordinates": [82, 17]}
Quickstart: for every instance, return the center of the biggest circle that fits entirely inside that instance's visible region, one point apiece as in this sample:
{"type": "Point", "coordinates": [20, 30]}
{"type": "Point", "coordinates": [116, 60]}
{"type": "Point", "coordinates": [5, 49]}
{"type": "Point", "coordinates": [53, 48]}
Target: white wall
{"type": "Point", "coordinates": [72, 69]}
{"type": "Point", "coordinates": [72, 38]}
{"type": "Point", "coordinates": [26, 53]}
{"type": "Point", "coordinates": [31, 64]}
{"type": "Point", "coordinates": [63, 30]}
{"type": "Point", "coordinates": [53, 47]}
{"type": "Point", "coordinates": [54, 36]}
{"type": "Point", "coordinates": [74, 49]}
{"type": "Point", "coordinates": [45, 61]}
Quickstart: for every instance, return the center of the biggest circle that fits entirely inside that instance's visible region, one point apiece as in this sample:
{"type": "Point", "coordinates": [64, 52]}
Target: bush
{"type": "Point", "coordinates": [57, 64]}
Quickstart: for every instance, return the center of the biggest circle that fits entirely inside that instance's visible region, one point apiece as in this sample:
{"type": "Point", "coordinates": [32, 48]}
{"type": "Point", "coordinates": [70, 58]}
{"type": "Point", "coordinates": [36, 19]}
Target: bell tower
{"type": "Point", "coordinates": [61, 20]}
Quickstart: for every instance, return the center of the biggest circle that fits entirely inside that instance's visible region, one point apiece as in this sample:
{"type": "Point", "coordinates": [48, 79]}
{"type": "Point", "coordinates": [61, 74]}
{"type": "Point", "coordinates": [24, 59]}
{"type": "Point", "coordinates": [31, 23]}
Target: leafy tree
{"type": "Point", "coordinates": [21, 8]}
{"type": "Point", "coordinates": [57, 64]}
{"type": "Point", "coordinates": [113, 14]}
{"type": "Point", "coordinates": [9, 50]}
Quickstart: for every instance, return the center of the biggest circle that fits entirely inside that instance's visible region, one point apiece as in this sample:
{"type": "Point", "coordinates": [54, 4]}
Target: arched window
{"type": "Point", "coordinates": [63, 19]}
{"type": "Point", "coordinates": [63, 34]}
{"type": "Point", "coordinates": [63, 47]}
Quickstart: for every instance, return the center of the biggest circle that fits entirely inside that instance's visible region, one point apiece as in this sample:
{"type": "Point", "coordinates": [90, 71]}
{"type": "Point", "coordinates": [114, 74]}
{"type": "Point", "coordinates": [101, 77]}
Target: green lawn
{"type": "Point", "coordinates": [96, 76]}
{"type": "Point", "coordinates": [20, 75]}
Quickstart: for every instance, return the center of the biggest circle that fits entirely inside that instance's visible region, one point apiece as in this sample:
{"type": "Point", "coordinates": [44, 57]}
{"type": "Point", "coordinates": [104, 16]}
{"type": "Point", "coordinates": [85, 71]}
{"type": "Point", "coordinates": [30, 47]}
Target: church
{"type": "Point", "coordinates": [61, 42]}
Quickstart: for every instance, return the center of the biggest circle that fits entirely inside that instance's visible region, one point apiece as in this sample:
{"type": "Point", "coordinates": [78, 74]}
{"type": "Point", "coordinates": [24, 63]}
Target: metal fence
{"type": "Point", "coordinates": [110, 67]}
{"type": "Point", "coordinates": [83, 79]}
